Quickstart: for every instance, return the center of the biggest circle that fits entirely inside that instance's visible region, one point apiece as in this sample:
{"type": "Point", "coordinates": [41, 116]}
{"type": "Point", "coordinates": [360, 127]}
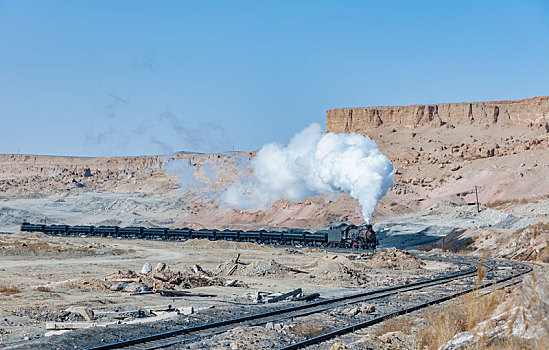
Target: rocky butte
{"type": "Point", "coordinates": [529, 112]}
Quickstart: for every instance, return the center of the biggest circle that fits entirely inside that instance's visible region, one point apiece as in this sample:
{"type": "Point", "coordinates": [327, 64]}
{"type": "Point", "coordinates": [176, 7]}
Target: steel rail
{"type": "Point", "coordinates": [379, 319]}
{"type": "Point", "coordinates": [383, 292]}
{"type": "Point", "coordinates": [306, 312]}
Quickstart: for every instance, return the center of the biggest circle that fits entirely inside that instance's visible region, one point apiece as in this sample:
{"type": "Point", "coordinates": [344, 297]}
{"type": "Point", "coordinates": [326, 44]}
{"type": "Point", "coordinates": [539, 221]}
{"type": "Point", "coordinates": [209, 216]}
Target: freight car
{"type": "Point", "coordinates": [340, 236]}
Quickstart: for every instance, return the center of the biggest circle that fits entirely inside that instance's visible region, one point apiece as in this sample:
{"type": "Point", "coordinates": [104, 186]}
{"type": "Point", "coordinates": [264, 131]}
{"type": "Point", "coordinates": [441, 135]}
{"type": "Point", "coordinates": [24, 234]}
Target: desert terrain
{"type": "Point", "coordinates": [445, 156]}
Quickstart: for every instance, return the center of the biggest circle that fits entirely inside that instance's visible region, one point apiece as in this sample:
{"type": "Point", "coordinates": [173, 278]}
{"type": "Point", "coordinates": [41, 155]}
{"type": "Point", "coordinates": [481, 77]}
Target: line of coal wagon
{"type": "Point", "coordinates": [341, 236]}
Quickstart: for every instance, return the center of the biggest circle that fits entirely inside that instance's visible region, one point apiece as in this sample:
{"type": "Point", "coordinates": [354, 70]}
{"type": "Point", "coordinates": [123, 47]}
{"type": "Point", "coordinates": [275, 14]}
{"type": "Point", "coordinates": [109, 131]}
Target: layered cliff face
{"type": "Point", "coordinates": [531, 111]}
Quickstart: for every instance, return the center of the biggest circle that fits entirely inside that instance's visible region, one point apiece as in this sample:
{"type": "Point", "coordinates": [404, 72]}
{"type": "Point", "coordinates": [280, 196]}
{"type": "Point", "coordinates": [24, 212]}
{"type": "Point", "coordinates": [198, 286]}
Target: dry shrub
{"type": "Point", "coordinates": [44, 289]}
{"type": "Point", "coordinates": [513, 343]}
{"type": "Point", "coordinates": [543, 255]}
{"type": "Point", "coordinates": [462, 315]}
{"type": "Point", "coordinates": [118, 251]}
{"type": "Point", "coordinates": [9, 290]}
{"type": "Point", "coordinates": [500, 202]}
{"type": "Point", "coordinates": [441, 326]}
{"type": "Point", "coordinates": [396, 324]}
{"type": "Point", "coordinates": [479, 308]}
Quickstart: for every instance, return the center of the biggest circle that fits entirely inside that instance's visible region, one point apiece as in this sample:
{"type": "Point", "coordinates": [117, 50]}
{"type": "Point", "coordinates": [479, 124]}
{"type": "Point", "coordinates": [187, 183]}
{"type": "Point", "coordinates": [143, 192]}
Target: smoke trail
{"type": "Point", "coordinates": [316, 163]}
{"type": "Point", "coordinates": [184, 171]}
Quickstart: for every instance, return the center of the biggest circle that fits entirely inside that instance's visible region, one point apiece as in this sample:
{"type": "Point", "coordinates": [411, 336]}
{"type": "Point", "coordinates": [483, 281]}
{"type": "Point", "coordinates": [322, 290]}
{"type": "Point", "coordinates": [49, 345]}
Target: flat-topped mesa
{"type": "Point", "coordinates": [530, 111]}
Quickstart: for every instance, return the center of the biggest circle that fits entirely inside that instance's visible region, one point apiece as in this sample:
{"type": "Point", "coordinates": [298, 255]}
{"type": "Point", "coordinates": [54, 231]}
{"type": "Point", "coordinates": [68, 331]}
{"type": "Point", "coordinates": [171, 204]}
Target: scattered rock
{"type": "Point", "coordinates": [136, 287]}
{"type": "Point", "coordinates": [363, 308]}
{"type": "Point", "coordinates": [338, 346]}
{"type": "Point", "coordinates": [367, 308]}
{"type": "Point", "coordinates": [146, 268]}
{"type": "Point", "coordinates": [85, 312]}
{"type": "Point", "coordinates": [353, 311]}
{"type": "Point", "coordinates": [230, 283]}
{"type": "Point", "coordinates": [165, 279]}
{"type": "Point", "coordinates": [158, 268]}
{"type": "Point", "coordinates": [388, 341]}
{"type": "Point", "coordinates": [118, 286]}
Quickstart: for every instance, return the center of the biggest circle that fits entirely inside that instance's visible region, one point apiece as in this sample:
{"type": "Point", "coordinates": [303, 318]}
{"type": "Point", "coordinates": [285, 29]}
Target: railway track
{"type": "Point", "coordinates": [357, 326]}
{"type": "Point", "coordinates": [180, 337]}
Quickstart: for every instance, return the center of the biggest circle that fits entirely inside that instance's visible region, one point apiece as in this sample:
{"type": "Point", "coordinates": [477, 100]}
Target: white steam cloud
{"type": "Point", "coordinates": [316, 163]}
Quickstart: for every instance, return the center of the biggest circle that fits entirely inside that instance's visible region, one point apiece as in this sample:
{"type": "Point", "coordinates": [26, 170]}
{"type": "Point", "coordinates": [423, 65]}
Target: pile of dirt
{"type": "Point", "coordinates": [38, 244]}
{"type": "Point", "coordinates": [227, 245]}
{"type": "Point", "coordinates": [393, 259]}
{"type": "Point", "coordinates": [87, 284]}
{"type": "Point", "coordinates": [161, 277]}
{"type": "Point", "coordinates": [33, 248]}
{"type": "Point", "coordinates": [268, 268]}
{"type": "Point", "coordinates": [338, 268]}
{"type": "Point", "coordinates": [292, 251]}
{"type": "Point", "coordinates": [45, 315]}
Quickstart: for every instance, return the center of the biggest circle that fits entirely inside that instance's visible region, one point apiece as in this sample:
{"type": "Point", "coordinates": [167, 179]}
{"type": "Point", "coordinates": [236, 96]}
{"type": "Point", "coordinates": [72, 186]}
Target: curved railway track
{"type": "Point", "coordinates": [195, 333]}
{"type": "Point", "coordinates": [357, 326]}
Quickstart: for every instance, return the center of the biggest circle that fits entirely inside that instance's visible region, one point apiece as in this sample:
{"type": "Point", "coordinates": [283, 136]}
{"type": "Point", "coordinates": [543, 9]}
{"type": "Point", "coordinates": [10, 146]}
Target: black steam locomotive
{"type": "Point", "coordinates": [341, 236]}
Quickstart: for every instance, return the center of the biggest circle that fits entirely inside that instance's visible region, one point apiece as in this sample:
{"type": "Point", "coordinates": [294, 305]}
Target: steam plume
{"type": "Point", "coordinates": [316, 163]}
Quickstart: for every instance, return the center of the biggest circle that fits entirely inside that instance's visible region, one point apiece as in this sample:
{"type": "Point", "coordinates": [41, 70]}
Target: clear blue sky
{"type": "Point", "coordinates": [151, 77]}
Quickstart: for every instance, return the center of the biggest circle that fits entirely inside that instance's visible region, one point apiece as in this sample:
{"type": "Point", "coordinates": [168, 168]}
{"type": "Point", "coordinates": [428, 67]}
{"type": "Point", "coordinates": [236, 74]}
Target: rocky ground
{"type": "Point", "coordinates": [51, 283]}
{"type": "Point", "coordinates": [126, 288]}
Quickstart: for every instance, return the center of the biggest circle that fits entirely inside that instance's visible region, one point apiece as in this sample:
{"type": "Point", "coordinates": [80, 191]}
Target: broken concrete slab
{"type": "Point", "coordinates": [136, 287]}
{"type": "Point", "coordinates": [161, 266]}
{"type": "Point", "coordinates": [75, 325]}
{"type": "Point", "coordinates": [181, 293]}
{"type": "Point", "coordinates": [296, 292]}
{"type": "Point", "coordinates": [187, 310]}
{"type": "Point", "coordinates": [118, 286]}
{"type": "Point", "coordinates": [85, 312]}
{"type": "Point", "coordinates": [307, 297]}
{"type": "Point", "coordinates": [146, 268]}
{"type": "Point", "coordinates": [230, 283]}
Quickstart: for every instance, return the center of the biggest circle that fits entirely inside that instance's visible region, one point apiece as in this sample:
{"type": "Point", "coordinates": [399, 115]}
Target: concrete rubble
{"type": "Point", "coordinates": [162, 278]}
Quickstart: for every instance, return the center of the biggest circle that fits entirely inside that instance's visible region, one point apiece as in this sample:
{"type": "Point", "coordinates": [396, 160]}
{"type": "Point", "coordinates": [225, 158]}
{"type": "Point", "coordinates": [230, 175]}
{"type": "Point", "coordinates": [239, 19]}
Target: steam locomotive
{"type": "Point", "coordinates": [340, 236]}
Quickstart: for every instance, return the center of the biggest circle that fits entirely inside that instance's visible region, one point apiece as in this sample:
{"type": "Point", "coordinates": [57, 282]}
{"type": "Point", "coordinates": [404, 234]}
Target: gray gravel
{"type": "Point", "coordinates": [410, 231]}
